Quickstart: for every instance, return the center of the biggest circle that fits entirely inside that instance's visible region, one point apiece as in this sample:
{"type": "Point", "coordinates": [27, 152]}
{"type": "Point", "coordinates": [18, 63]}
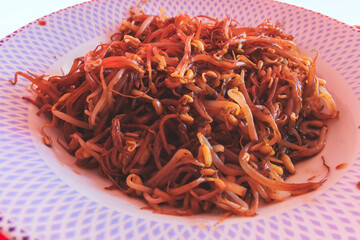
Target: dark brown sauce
{"type": "Point", "coordinates": [341, 166]}
{"type": "Point", "coordinates": [311, 178]}
{"type": "Point", "coordinates": [358, 185]}
{"type": "Point", "coordinates": [42, 22]}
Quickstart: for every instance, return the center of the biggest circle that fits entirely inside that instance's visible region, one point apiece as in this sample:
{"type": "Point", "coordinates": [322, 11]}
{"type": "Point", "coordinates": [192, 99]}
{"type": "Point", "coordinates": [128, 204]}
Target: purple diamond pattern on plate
{"type": "Point", "coordinates": [35, 199]}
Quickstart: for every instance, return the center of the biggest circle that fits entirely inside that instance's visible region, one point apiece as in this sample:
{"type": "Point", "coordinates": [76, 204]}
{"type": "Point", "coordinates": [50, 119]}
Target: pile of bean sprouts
{"type": "Point", "coordinates": [191, 114]}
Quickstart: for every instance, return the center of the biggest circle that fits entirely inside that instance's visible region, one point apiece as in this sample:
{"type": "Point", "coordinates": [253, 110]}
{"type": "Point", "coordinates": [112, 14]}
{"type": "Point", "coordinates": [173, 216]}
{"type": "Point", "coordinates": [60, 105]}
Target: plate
{"type": "Point", "coordinates": [44, 196]}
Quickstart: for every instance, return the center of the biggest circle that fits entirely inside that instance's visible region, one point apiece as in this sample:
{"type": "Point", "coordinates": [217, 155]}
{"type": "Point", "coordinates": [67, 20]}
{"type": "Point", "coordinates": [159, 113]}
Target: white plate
{"type": "Point", "coordinates": [45, 195]}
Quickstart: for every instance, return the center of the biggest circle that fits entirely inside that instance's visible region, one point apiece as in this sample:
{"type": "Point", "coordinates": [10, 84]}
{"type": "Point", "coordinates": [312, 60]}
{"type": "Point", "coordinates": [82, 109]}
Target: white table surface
{"type": "Point", "coordinates": [17, 13]}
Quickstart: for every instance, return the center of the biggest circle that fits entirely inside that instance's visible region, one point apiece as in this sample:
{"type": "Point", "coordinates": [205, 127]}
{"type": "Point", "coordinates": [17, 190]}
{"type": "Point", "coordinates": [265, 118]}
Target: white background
{"type": "Point", "coordinates": [17, 13]}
